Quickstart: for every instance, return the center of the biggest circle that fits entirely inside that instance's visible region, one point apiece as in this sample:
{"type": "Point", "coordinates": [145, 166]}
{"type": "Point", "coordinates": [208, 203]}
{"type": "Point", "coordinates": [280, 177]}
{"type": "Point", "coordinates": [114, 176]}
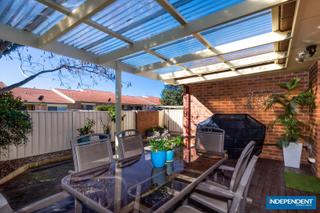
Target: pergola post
{"type": "Point", "coordinates": [118, 101]}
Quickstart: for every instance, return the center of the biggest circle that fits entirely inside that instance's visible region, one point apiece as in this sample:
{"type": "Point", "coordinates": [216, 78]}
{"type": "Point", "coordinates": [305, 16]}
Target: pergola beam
{"type": "Point", "coordinates": [231, 74]}
{"type": "Point", "coordinates": [83, 12]}
{"type": "Point", "coordinates": [28, 39]}
{"type": "Point", "coordinates": [243, 44]}
{"type": "Point", "coordinates": [238, 63]}
{"type": "Point", "coordinates": [246, 8]}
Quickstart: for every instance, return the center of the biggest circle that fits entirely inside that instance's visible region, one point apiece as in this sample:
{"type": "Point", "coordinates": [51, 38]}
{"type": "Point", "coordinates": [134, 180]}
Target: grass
{"type": "Point", "coordinates": [302, 182]}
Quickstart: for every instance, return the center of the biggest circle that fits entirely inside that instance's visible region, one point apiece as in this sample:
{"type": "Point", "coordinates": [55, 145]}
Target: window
{"type": "Point", "coordinates": [59, 108]}
{"type": "Point", "coordinates": [88, 106]}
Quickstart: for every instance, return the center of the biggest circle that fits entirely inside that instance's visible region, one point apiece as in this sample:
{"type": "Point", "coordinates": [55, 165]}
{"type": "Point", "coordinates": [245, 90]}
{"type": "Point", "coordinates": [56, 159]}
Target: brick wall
{"type": "Point", "coordinates": [245, 94]}
{"type": "Point", "coordinates": [146, 120]}
{"type": "Point", "coordinates": [314, 78]}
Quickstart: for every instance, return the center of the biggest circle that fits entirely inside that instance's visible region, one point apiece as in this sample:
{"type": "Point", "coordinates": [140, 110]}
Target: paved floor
{"type": "Point", "coordinates": [268, 180]}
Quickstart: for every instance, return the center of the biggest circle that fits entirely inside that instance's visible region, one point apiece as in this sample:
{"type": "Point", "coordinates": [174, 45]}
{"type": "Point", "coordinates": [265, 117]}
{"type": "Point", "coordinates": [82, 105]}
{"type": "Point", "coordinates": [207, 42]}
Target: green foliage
{"type": "Point", "coordinates": [15, 122]}
{"type": "Point", "coordinates": [87, 129]}
{"type": "Point", "coordinates": [174, 142]}
{"type": "Point", "coordinates": [172, 95]}
{"type": "Point", "coordinates": [157, 144]}
{"type": "Point", "coordinates": [111, 111]}
{"type": "Point", "coordinates": [291, 104]}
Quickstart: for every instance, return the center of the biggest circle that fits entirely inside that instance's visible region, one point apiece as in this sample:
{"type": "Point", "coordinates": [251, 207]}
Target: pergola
{"type": "Point", "coordinates": [176, 41]}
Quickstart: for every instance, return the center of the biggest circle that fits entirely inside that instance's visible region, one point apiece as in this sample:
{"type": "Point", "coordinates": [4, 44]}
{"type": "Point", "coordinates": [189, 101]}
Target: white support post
{"type": "Point", "coordinates": [118, 101]}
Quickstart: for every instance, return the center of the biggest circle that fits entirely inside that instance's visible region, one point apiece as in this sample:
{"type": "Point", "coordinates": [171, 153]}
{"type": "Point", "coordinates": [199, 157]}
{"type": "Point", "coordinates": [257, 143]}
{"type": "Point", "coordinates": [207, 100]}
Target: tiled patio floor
{"type": "Point", "coordinates": [268, 180]}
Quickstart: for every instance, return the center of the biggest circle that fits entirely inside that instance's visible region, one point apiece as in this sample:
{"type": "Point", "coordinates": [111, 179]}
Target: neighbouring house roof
{"type": "Point", "coordinates": [33, 95]}
{"type": "Point", "coordinates": [96, 96]}
{"type": "Point", "coordinates": [89, 96]}
{"type": "Point", "coordinates": [2, 84]}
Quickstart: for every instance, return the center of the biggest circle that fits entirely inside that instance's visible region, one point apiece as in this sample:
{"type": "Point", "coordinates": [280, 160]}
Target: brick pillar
{"type": "Point", "coordinates": [314, 80]}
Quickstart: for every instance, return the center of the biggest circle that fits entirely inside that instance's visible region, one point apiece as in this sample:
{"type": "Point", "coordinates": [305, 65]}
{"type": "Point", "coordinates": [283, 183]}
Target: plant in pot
{"type": "Point", "coordinates": [158, 152]}
{"type": "Point", "coordinates": [170, 145]}
{"type": "Point", "coordinates": [291, 102]}
{"type": "Point", "coordinates": [85, 130]}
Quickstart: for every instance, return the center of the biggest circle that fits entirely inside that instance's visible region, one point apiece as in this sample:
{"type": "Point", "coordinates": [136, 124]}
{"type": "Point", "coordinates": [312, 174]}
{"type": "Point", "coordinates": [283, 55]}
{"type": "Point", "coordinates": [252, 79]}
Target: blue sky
{"type": "Point", "coordinates": [10, 73]}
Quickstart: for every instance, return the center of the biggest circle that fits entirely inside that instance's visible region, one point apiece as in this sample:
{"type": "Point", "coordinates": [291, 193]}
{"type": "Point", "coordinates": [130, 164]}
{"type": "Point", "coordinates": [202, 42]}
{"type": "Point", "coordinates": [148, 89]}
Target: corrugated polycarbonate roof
{"type": "Point", "coordinates": [120, 25]}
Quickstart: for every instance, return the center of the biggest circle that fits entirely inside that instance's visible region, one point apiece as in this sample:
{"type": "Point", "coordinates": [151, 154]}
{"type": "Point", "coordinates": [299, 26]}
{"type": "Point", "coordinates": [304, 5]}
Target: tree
{"type": "Point", "coordinates": [33, 65]}
{"type": "Point", "coordinates": [15, 122]}
{"type": "Point", "coordinates": [172, 95]}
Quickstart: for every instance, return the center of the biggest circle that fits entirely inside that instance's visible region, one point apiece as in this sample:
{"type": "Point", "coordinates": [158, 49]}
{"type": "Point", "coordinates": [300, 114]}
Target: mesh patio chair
{"type": "Point", "coordinates": [209, 141]}
{"type": "Point", "coordinates": [130, 145]}
{"type": "Point", "coordinates": [238, 170]}
{"type": "Point", "coordinates": [95, 151]}
{"type": "Point", "coordinates": [238, 199]}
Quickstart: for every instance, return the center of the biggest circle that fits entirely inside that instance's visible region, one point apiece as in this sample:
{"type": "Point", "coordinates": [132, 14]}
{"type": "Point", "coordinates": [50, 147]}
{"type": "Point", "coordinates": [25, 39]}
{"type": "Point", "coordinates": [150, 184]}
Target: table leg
{"type": "Point", "coordinates": [77, 206]}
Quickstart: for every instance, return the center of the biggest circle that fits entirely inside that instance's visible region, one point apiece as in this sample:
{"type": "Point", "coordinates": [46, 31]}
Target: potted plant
{"type": "Point", "coordinates": [158, 152]}
{"type": "Point", "coordinates": [170, 145]}
{"type": "Point", "coordinates": [291, 101]}
{"type": "Point", "coordinates": [85, 130]}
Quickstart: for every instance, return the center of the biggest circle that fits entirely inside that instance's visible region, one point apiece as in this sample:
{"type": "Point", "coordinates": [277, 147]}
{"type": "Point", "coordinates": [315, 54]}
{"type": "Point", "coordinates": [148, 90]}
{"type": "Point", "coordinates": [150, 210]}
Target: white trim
{"type": "Point", "coordinates": [63, 96]}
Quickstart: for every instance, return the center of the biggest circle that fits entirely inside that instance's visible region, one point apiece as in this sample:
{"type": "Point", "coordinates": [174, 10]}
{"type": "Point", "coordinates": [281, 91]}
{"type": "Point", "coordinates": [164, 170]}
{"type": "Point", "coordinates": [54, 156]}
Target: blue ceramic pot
{"type": "Point", "coordinates": [158, 159]}
{"type": "Point", "coordinates": [170, 155]}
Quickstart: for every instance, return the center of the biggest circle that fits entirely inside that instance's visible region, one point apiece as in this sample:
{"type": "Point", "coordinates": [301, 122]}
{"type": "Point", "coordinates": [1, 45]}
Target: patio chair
{"type": "Point", "coordinates": [210, 141]}
{"type": "Point", "coordinates": [215, 204]}
{"type": "Point", "coordinates": [94, 152]}
{"type": "Point", "coordinates": [130, 145]}
{"type": "Point", "coordinates": [238, 170]}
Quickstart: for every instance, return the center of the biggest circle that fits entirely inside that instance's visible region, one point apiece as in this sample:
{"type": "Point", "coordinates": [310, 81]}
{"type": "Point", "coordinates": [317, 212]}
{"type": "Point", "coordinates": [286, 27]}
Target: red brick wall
{"type": "Point", "coordinates": [146, 120]}
{"type": "Point", "coordinates": [245, 94]}
{"type": "Point", "coordinates": [314, 78]}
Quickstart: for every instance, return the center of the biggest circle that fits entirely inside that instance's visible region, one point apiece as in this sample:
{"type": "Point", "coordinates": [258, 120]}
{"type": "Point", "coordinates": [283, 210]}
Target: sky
{"type": "Point", "coordinates": [10, 73]}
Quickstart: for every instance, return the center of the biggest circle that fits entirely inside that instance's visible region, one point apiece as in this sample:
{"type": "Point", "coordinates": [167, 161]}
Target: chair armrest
{"type": "Point", "coordinates": [215, 190]}
{"type": "Point", "coordinates": [226, 168]}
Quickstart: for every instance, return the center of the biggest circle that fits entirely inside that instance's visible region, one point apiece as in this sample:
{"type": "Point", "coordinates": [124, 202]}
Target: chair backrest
{"type": "Point", "coordinates": [90, 151]}
{"type": "Point", "coordinates": [209, 140]}
{"type": "Point", "coordinates": [4, 205]}
{"type": "Point", "coordinates": [241, 165]}
{"type": "Point", "coordinates": [130, 144]}
{"type": "Point", "coordinates": [239, 201]}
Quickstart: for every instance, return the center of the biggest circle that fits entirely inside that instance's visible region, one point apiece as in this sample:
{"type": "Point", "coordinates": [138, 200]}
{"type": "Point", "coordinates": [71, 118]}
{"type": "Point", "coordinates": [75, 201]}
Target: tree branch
{"type": "Point", "coordinates": [20, 83]}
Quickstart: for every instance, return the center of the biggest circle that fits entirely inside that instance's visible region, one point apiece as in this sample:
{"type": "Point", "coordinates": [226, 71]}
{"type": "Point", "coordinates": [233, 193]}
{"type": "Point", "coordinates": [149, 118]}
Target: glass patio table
{"type": "Point", "coordinates": [139, 187]}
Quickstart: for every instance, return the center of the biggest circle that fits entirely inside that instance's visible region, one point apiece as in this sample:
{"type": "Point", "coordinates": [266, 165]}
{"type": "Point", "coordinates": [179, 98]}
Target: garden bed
{"type": "Point", "coordinates": [17, 166]}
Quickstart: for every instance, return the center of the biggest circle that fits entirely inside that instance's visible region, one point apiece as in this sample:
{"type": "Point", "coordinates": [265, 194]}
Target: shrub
{"type": "Point", "coordinates": [15, 122]}
{"type": "Point", "coordinates": [87, 129]}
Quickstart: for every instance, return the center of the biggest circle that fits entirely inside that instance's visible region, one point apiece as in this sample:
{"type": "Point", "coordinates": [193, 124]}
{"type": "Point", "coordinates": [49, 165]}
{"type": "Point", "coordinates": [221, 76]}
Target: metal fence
{"type": "Point", "coordinates": [53, 131]}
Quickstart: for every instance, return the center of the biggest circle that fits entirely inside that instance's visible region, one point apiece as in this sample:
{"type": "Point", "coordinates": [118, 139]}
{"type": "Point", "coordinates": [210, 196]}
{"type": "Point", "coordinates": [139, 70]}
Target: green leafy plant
{"type": "Point", "coordinates": [157, 144]}
{"type": "Point", "coordinates": [15, 122]}
{"type": "Point", "coordinates": [173, 142]}
{"type": "Point", "coordinates": [87, 128]}
{"type": "Point", "coordinates": [291, 102]}
{"type": "Point", "coordinates": [111, 111]}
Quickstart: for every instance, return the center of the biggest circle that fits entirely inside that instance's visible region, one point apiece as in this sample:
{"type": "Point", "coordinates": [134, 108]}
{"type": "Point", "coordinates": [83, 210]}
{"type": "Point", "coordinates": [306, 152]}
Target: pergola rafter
{"type": "Point", "coordinates": [219, 67]}
{"type": "Point", "coordinates": [255, 41]}
{"type": "Point", "coordinates": [170, 9]}
{"type": "Point", "coordinates": [83, 12]}
{"type": "Point", "coordinates": [199, 25]}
